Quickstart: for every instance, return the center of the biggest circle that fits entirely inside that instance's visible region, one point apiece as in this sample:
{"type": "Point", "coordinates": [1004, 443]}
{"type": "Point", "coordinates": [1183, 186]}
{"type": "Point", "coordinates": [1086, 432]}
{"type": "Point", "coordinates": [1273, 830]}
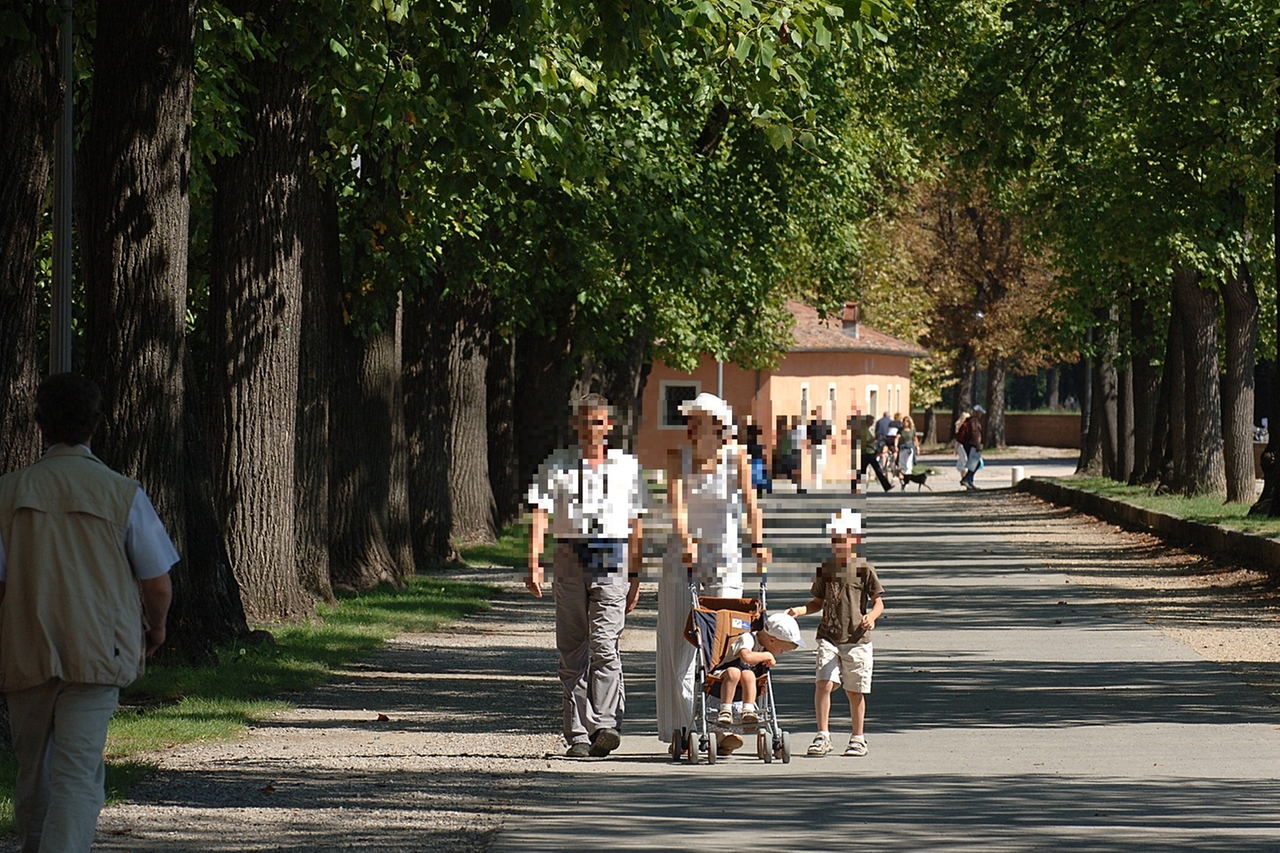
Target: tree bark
{"type": "Point", "coordinates": [930, 426]}
{"type": "Point", "coordinates": [500, 385]}
{"type": "Point", "coordinates": [1205, 472]}
{"type": "Point", "coordinates": [1105, 393]}
{"type": "Point", "coordinates": [993, 436]}
{"type": "Point", "coordinates": [1125, 447]}
{"type": "Point", "coordinates": [29, 100]}
{"type": "Point", "coordinates": [258, 249]}
{"type": "Point", "coordinates": [360, 449]}
{"type": "Point", "coordinates": [470, 493]}
{"type": "Point", "coordinates": [966, 363]}
{"type": "Point", "coordinates": [399, 525]}
{"type": "Point", "coordinates": [544, 381]}
{"type": "Point", "coordinates": [320, 323]}
{"type": "Point", "coordinates": [133, 236]}
{"type": "Point", "coordinates": [1266, 502]}
{"type": "Point", "coordinates": [1051, 391]}
{"type": "Point", "coordinates": [428, 426]}
{"type": "Point", "coordinates": [1146, 392]}
{"type": "Point", "coordinates": [1173, 476]}
{"type": "Point", "coordinates": [1240, 305]}
{"type": "Point", "coordinates": [1090, 453]}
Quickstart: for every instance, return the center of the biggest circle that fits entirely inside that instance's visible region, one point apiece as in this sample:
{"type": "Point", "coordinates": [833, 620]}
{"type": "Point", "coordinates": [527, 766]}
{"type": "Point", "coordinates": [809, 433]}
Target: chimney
{"type": "Point", "coordinates": [850, 318]}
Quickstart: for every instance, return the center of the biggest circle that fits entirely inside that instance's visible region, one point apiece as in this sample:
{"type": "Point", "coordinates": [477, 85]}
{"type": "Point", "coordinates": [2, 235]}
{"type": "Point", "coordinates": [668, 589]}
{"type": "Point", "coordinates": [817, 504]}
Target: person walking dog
{"type": "Point", "coordinates": [594, 498]}
{"type": "Point", "coordinates": [84, 598]}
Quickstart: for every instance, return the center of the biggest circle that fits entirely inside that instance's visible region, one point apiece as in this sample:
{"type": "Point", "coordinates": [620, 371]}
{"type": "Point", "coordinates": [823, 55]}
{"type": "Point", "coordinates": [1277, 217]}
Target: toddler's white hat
{"type": "Point", "coordinates": [846, 521]}
{"type": "Point", "coordinates": [710, 404]}
{"type": "Point", "coordinates": [784, 627]}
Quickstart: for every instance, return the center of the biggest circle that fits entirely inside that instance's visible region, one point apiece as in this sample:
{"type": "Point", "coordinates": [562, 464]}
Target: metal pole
{"type": "Point", "coordinates": [720, 379]}
{"type": "Point", "coordinates": [60, 321]}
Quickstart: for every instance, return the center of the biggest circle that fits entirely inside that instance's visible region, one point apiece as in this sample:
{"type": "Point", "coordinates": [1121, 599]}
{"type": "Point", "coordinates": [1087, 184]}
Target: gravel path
{"type": "Point", "coordinates": [428, 745]}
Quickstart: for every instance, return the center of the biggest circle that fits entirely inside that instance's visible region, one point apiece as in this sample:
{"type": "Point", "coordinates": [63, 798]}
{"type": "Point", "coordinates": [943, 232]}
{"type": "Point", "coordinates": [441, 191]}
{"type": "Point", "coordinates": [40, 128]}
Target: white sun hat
{"type": "Point", "coordinates": [710, 404]}
{"type": "Point", "coordinates": [784, 627]}
{"type": "Point", "coordinates": [846, 521]}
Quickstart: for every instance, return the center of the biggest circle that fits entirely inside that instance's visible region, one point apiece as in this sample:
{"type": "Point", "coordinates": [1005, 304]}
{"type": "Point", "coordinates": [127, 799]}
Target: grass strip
{"type": "Point", "coordinates": [1209, 510]}
{"type": "Point", "coordinates": [176, 703]}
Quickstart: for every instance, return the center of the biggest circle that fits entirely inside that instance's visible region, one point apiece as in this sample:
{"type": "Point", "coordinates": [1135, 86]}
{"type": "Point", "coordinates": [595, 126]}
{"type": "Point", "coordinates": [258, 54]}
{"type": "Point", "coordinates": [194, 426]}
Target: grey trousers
{"type": "Point", "coordinates": [590, 614]}
{"type": "Point", "coordinates": [59, 732]}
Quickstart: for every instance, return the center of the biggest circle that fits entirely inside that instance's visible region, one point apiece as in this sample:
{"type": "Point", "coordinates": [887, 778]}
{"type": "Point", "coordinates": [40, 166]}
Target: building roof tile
{"type": "Point", "coordinates": [830, 334]}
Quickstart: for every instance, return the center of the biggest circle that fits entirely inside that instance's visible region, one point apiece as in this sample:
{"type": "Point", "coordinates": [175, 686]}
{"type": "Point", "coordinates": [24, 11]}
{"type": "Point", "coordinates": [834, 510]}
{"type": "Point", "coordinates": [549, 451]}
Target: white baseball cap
{"type": "Point", "coordinates": [710, 404]}
{"type": "Point", "coordinates": [785, 628]}
{"type": "Point", "coordinates": [846, 521]}
{"type": "Point", "coordinates": [980, 410]}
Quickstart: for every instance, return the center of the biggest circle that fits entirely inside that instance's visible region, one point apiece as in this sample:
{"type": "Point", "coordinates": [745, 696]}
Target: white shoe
{"type": "Point", "coordinates": [821, 746]}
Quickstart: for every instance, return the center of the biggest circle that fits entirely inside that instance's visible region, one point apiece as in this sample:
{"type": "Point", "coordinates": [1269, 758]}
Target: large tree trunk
{"type": "Point", "coordinates": [428, 426]}
{"type": "Point", "coordinates": [1105, 393]}
{"type": "Point", "coordinates": [1146, 391]}
{"type": "Point", "coordinates": [993, 436]}
{"type": "Point", "coordinates": [470, 493]}
{"type": "Point", "coordinates": [29, 99]}
{"type": "Point", "coordinates": [320, 323]}
{"type": "Point", "coordinates": [1267, 505]}
{"type": "Point", "coordinates": [500, 384]}
{"type": "Point", "coordinates": [360, 427]}
{"type": "Point", "coordinates": [930, 426]}
{"type": "Point", "coordinates": [1090, 461]}
{"type": "Point", "coordinates": [1125, 429]}
{"type": "Point", "coordinates": [1173, 476]}
{"type": "Point", "coordinates": [1205, 468]}
{"type": "Point", "coordinates": [1052, 382]}
{"type": "Point", "coordinates": [258, 246]}
{"type": "Point", "coordinates": [399, 524]}
{"type": "Point", "coordinates": [544, 381]}
{"type": "Point", "coordinates": [1240, 304]}
{"type": "Point", "coordinates": [966, 363]}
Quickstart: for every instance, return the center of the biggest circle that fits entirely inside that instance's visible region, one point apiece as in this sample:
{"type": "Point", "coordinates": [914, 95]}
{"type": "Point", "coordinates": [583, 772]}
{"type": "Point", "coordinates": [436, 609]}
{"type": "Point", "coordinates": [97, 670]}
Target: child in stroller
{"type": "Point", "coordinates": [747, 656]}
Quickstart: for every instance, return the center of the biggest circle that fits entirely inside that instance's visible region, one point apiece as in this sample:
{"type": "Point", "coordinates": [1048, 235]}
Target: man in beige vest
{"type": "Point", "coordinates": [84, 594]}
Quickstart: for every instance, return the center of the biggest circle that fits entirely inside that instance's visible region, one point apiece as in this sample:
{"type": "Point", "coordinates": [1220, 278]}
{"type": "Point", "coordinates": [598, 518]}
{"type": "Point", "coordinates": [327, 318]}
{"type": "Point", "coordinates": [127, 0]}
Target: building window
{"type": "Point", "coordinates": [673, 393]}
{"type": "Point", "coordinates": [804, 401]}
{"type": "Point", "coordinates": [831, 401]}
{"type": "Point", "coordinates": [873, 401]}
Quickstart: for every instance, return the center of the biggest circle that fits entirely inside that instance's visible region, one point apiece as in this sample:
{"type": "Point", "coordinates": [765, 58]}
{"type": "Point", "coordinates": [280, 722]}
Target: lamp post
{"type": "Point", "coordinates": [64, 153]}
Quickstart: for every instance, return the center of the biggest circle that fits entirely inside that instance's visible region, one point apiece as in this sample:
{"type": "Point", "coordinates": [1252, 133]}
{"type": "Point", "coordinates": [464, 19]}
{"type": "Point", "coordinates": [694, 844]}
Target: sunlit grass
{"type": "Point", "coordinates": [177, 704]}
{"type": "Point", "coordinates": [1206, 509]}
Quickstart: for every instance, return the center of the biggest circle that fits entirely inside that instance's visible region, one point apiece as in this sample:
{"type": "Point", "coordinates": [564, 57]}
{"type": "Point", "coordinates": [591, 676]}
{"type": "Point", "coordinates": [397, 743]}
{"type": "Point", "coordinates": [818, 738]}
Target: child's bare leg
{"type": "Point", "coordinates": [857, 710]}
{"type": "Point", "coordinates": [748, 687]}
{"type": "Point", "coordinates": [729, 685]}
{"type": "Point", "coordinates": [822, 703]}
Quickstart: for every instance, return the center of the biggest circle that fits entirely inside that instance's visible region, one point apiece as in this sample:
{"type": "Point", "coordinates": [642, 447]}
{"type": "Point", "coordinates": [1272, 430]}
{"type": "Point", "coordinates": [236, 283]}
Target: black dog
{"type": "Point", "coordinates": [921, 479]}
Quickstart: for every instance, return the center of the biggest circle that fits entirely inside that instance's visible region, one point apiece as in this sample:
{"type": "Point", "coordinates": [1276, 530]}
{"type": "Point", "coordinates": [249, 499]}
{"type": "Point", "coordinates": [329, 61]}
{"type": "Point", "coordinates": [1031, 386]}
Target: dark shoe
{"type": "Point", "coordinates": [578, 750]}
{"type": "Point", "coordinates": [604, 741]}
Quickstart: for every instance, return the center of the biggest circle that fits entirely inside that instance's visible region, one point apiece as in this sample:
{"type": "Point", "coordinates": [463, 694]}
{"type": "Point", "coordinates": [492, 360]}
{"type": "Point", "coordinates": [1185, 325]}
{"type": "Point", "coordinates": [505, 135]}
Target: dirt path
{"type": "Point", "coordinates": [472, 712]}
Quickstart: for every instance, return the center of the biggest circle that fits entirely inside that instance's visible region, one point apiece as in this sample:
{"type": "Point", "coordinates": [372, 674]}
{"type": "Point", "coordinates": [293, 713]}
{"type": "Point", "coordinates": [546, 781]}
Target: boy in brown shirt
{"type": "Point", "coordinates": [850, 597]}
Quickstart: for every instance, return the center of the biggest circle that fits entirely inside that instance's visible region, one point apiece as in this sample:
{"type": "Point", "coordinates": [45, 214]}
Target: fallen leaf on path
{"type": "Point", "coordinates": [125, 831]}
{"type": "Point", "coordinates": [383, 718]}
{"type": "Point", "coordinates": [268, 788]}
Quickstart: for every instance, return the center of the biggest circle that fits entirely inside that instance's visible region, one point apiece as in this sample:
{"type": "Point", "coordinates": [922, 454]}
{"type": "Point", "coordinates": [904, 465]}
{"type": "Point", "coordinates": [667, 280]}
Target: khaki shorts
{"type": "Point", "coordinates": [849, 664]}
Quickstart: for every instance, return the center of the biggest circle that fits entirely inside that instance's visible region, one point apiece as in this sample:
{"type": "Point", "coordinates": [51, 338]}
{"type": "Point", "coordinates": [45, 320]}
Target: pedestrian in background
{"type": "Point", "coordinates": [973, 448]}
{"type": "Point", "coordinates": [819, 431]}
{"type": "Point", "coordinates": [84, 600]}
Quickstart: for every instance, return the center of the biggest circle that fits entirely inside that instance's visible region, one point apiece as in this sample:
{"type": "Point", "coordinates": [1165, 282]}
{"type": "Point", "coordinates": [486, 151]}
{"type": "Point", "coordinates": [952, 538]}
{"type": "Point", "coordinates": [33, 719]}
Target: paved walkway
{"type": "Point", "coordinates": [1012, 711]}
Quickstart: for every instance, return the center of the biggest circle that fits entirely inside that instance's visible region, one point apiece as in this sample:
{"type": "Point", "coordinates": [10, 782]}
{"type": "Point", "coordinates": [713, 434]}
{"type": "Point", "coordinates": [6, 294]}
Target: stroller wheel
{"type": "Point", "coordinates": [768, 751]}
{"type": "Point", "coordinates": [786, 747]}
{"type": "Point", "coordinates": [677, 744]}
{"type": "Point", "coordinates": [692, 741]}
{"type": "Point", "coordinates": [711, 747]}
{"type": "Point", "coordinates": [762, 744]}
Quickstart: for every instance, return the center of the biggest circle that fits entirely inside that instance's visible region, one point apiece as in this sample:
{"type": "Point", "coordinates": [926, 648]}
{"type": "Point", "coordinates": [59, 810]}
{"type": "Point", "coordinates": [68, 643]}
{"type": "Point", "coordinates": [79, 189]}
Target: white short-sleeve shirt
{"type": "Point", "coordinates": [586, 502]}
{"type": "Point", "coordinates": [146, 544]}
{"type": "Point", "coordinates": [741, 643]}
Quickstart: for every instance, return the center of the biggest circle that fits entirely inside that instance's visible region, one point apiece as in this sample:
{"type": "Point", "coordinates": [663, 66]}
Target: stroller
{"type": "Point", "coordinates": [712, 625]}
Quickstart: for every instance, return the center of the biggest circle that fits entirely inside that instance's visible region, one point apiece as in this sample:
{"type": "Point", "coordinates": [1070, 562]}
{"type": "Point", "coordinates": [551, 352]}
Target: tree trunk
{"type": "Point", "coordinates": [399, 525]}
{"type": "Point", "coordinates": [1090, 452]}
{"type": "Point", "coordinates": [966, 363]}
{"type": "Point", "coordinates": [1053, 382]}
{"type": "Point", "coordinates": [319, 324]}
{"type": "Point", "coordinates": [359, 452]}
{"type": "Point", "coordinates": [470, 493]}
{"type": "Point", "coordinates": [1146, 391]}
{"type": "Point", "coordinates": [993, 436]}
{"type": "Point", "coordinates": [544, 382]}
{"type": "Point", "coordinates": [1105, 395]}
{"type": "Point", "coordinates": [1173, 476]}
{"type": "Point", "coordinates": [133, 236]}
{"type": "Point", "coordinates": [930, 426]}
{"type": "Point", "coordinates": [428, 426]}
{"type": "Point", "coordinates": [258, 248]}
{"type": "Point", "coordinates": [29, 99]}
{"type": "Point", "coordinates": [1267, 505]}
{"type": "Point", "coordinates": [1240, 304]}
{"type": "Point", "coordinates": [621, 378]}
{"type": "Point", "coordinates": [500, 384]}
{"type": "Point", "coordinates": [1198, 306]}
{"type": "Point", "coordinates": [1124, 424]}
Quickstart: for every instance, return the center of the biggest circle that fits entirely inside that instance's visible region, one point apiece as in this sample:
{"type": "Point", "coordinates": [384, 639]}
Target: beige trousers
{"type": "Point", "coordinates": [59, 732]}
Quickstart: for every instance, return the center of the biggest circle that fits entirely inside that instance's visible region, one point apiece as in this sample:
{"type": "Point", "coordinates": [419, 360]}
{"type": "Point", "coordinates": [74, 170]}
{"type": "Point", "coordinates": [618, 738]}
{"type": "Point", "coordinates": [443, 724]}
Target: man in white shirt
{"type": "Point", "coordinates": [593, 498]}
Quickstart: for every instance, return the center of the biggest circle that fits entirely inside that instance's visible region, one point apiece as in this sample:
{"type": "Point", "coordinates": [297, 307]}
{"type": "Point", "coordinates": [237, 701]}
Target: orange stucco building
{"type": "Point", "coordinates": [833, 364]}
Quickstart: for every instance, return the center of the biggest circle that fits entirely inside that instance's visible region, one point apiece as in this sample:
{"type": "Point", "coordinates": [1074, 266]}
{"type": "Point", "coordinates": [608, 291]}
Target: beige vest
{"type": "Point", "coordinates": [72, 608]}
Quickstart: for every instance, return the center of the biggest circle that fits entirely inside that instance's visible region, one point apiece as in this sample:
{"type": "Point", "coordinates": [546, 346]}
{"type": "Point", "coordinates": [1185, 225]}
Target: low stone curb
{"type": "Point", "coordinates": [1259, 552]}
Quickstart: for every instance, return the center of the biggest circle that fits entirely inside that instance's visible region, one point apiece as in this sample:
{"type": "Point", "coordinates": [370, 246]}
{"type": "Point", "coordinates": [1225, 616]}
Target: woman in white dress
{"type": "Point", "coordinates": [708, 490]}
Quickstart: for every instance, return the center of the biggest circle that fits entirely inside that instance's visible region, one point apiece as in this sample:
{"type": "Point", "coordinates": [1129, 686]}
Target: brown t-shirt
{"type": "Point", "coordinates": [845, 601]}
